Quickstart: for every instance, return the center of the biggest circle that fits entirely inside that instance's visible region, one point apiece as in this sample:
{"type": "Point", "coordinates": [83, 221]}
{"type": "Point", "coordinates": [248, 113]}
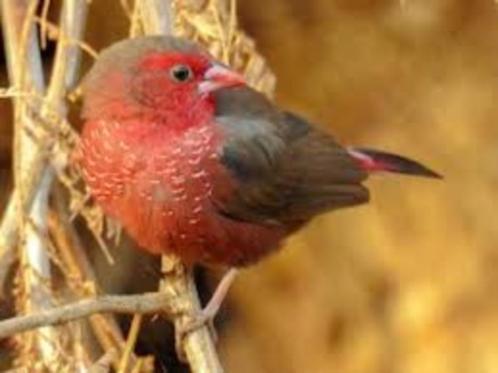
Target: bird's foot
{"type": "Point", "coordinates": [204, 317]}
{"type": "Point", "coordinates": [207, 314]}
{"type": "Point", "coordinates": [195, 322]}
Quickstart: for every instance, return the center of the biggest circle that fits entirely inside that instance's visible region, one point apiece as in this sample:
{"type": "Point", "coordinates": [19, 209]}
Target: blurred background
{"type": "Point", "coordinates": [408, 283]}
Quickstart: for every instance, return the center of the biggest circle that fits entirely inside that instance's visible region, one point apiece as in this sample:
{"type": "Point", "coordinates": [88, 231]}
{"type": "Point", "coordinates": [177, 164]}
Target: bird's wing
{"type": "Point", "coordinates": [285, 170]}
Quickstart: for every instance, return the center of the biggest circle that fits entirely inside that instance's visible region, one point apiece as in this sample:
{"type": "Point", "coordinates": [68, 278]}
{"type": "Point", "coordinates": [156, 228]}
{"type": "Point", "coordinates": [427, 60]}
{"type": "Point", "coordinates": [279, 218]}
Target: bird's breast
{"type": "Point", "coordinates": [163, 188]}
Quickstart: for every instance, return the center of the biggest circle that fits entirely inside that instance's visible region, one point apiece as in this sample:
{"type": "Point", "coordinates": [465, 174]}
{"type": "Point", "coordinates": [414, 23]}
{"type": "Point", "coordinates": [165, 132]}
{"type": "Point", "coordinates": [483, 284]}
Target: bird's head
{"type": "Point", "coordinates": [164, 77]}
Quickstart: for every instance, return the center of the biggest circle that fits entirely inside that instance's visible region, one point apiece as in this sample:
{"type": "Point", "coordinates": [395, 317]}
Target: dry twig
{"type": "Point", "coordinates": [134, 304]}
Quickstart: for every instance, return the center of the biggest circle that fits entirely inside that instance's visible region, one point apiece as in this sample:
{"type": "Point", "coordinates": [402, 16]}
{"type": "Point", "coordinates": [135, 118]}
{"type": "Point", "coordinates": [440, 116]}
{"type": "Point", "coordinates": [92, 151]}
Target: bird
{"type": "Point", "coordinates": [192, 161]}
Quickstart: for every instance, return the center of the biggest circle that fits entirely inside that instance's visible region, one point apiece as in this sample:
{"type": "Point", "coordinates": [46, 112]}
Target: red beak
{"type": "Point", "coordinates": [219, 76]}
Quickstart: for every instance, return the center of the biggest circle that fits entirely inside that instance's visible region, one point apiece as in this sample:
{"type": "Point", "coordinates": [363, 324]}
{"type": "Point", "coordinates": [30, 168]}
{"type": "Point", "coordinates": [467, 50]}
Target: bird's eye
{"type": "Point", "coordinates": [181, 73]}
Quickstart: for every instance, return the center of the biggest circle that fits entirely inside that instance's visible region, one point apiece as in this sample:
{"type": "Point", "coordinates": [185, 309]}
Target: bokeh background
{"type": "Point", "coordinates": [408, 283]}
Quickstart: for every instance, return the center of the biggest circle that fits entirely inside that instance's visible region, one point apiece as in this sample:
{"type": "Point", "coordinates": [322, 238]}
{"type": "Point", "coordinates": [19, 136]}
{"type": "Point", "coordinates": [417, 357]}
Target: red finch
{"type": "Point", "coordinates": [194, 162]}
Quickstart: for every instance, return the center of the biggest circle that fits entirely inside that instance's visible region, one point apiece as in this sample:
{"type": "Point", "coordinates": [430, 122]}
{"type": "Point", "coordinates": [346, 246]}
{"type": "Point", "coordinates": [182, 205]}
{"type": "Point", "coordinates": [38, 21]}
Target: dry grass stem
{"type": "Point", "coordinates": [34, 270]}
{"type": "Point", "coordinates": [103, 365]}
{"type": "Point", "coordinates": [130, 343]}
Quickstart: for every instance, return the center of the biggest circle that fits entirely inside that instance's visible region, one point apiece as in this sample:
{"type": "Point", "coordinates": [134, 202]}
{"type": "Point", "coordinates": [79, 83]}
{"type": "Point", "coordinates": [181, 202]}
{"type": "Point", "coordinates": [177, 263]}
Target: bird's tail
{"type": "Point", "coordinates": [377, 161]}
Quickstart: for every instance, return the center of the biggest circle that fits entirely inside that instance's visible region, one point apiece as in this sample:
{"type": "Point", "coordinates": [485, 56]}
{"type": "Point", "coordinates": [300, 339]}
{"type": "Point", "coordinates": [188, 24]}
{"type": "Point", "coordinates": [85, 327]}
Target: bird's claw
{"type": "Point", "coordinates": [202, 318]}
{"type": "Point", "coordinates": [206, 315]}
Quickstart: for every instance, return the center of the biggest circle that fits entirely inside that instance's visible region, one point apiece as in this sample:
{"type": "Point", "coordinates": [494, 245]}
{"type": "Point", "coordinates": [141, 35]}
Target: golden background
{"type": "Point", "coordinates": [408, 283]}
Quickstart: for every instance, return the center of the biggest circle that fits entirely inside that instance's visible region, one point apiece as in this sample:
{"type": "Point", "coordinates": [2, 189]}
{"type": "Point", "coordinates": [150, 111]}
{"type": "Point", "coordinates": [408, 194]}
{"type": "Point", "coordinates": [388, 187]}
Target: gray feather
{"type": "Point", "coordinates": [287, 171]}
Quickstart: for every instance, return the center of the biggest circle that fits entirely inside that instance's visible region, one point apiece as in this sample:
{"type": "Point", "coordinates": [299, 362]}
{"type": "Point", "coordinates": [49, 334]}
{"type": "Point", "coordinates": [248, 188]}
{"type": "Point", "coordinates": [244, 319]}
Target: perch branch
{"type": "Point", "coordinates": [197, 346]}
{"type": "Point", "coordinates": [133, 304]}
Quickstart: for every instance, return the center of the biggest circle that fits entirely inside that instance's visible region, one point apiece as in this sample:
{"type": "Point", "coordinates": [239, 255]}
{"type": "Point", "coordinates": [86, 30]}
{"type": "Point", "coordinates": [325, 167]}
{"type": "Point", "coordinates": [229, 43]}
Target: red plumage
{"type": "Point", "coordinates": [163, 198]}
{"type": "Point", "coordinates": [191, 161]}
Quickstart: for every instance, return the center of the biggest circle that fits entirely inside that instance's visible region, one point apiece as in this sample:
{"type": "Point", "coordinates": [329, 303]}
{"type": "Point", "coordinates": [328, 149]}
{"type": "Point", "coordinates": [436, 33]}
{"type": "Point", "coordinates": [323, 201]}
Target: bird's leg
{"type": "Point", "coordinates": [208, 313]}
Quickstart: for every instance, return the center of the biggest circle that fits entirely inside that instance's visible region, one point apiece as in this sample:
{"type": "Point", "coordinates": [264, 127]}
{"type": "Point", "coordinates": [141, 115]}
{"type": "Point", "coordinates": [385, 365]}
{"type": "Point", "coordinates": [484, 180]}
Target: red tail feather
{"type": "Point", "coordinates": [375, 161]}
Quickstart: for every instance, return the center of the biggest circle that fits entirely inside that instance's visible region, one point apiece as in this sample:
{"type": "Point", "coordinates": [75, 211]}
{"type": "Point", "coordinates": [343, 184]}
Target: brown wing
{"type": "Point", "coordinates": [286, 170]}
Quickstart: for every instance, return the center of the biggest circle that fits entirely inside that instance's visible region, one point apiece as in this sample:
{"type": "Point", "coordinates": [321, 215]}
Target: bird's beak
{"type": "Point", "coordinates": [219, 76]}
